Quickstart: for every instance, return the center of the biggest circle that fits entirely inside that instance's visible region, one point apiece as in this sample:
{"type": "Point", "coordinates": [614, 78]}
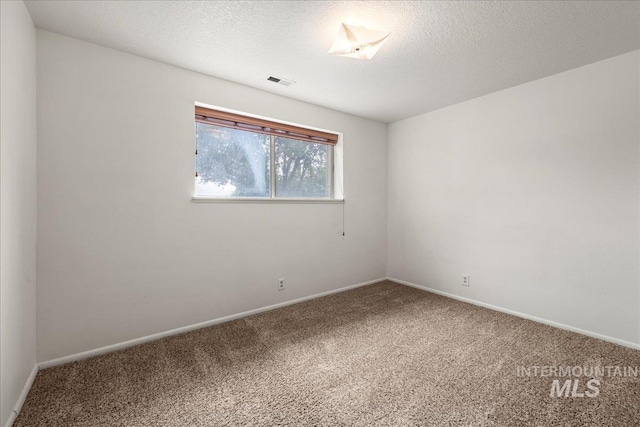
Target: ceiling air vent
{"type": "Point", "coordinates": [281, 81]}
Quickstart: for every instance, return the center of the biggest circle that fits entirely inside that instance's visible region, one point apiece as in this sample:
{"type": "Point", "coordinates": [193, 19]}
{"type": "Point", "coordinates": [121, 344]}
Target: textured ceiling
{"type": "Point", "coordinates": [439, 53]}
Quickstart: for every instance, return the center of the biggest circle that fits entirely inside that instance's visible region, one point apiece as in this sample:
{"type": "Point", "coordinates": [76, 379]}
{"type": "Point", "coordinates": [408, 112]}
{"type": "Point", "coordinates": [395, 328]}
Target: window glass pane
{"type": "Point", "coordinates": [231, 162]}
{"type": "Point", "coordinates": [301, 168]}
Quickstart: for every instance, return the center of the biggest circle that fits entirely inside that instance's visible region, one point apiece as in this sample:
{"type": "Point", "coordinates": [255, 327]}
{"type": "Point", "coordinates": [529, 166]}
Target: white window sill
{"type": "Point", "coordinates": [280, 200]}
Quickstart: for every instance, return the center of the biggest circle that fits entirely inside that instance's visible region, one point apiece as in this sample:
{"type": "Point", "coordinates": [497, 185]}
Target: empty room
{"type": "Point", "coordinates": [319, 213]}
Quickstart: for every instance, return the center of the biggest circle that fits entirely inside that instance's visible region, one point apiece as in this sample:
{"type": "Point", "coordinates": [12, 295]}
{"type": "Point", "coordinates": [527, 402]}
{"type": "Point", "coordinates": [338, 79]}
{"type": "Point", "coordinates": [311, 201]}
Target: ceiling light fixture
{"type": "Point", "coordinates": [358, 42]}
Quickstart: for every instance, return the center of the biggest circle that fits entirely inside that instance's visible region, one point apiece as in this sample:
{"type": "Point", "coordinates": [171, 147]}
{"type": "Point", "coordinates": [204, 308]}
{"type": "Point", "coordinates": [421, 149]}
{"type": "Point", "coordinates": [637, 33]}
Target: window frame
{"type": "Point", "coordinates": [290, 131]}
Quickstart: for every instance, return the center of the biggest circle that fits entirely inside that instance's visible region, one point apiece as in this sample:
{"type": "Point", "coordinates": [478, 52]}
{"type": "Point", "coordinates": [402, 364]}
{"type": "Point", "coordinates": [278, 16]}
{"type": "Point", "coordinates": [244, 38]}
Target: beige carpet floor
{"type": "Point", "coordinates": [381, 355]}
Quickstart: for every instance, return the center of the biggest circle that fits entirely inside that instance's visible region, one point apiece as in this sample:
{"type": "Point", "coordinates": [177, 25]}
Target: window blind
{"type": "Point", "coordinates": [252, 124]}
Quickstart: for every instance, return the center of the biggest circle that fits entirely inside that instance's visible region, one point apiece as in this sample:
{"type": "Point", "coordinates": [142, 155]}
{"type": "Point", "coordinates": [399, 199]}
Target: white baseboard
{"type": "Point", "coordinates": [522, 315]}
{"type": "Point", "coordinates": [137, 341]}
{"type": "Point", "coordinates": [23, 396]}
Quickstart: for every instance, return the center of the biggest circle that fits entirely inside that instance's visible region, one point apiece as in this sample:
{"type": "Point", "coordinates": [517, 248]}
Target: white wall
{"type": "Point", "coordinates": [17, 203]}
{"type": "Point", "coordinates": [534, 192]}
{"type": "Point", "coordinates": [122, 250]}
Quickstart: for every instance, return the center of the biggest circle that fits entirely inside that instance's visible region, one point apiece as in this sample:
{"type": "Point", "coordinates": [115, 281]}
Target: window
{"type": "Point", "coordinates": [239, 156]}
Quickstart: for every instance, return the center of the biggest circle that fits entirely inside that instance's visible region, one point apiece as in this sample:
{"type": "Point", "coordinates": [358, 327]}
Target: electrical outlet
{"type": "Point", "coordinates": [280, 284]}
{"type": "Point", "coordinates": [465, 280]}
